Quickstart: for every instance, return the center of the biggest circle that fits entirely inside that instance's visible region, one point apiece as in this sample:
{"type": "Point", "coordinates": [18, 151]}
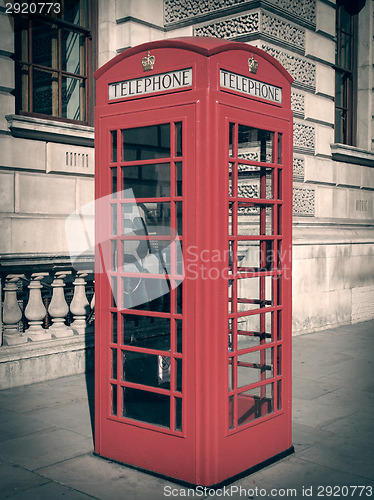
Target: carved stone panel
{"type": "Point", "coordinates": [256, 23]}
{"type": "Point", "coordinates": [298, 168]}
{"type": "Point", "coordinates": [298, 104]}
{"type": "Point", "coordinates": [303, 71]}
{"type": "Point", "coordinates": [303, 201]}
{"type": "Point", "coordinates": [303, 137]}
{"type": "Point", "coordinates": [181, 10]}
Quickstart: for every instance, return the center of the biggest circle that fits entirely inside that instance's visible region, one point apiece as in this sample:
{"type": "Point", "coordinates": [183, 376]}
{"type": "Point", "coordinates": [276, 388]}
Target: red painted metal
{"type": "Point", "coordinates": [227, 399]}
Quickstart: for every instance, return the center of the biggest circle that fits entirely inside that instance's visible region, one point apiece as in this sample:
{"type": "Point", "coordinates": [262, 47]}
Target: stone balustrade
{"type": "Point", "coordinates": [46, 305]}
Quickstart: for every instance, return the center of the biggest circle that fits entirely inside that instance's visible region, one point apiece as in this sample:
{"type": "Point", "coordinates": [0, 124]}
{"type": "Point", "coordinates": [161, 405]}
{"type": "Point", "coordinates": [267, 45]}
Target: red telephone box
{"type": "Point", "coordinates": [193, 315]}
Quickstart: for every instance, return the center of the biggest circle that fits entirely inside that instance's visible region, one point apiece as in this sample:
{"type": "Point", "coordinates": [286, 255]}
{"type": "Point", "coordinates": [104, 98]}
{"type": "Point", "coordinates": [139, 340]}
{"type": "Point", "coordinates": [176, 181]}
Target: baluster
{"type": "Point", "coordinates": [58, 307]}
{"type": "Point", "coordinates": [79, 306]}
{"type": "Point", "coordinates": [35, 310]}
{"type": "Point", "coordinates": [12, 313]}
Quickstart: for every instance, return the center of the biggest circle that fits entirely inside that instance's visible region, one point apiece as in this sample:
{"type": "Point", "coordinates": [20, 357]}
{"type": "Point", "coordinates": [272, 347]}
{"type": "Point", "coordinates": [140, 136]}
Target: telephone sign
{"type": "Point", "coordinates": [193, 259]}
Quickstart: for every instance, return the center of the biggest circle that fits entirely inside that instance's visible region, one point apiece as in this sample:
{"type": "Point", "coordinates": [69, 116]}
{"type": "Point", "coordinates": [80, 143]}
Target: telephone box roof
{"type": "Point", "coordinates": [206, 46]}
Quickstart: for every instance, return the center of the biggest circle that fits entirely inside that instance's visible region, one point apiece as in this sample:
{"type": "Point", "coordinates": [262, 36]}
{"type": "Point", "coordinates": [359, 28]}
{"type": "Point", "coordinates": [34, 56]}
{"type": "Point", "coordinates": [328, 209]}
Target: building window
{"type": "Point", "coordinates": [54, 62]}
{"type": "Point", "coordinates": [345, 74]}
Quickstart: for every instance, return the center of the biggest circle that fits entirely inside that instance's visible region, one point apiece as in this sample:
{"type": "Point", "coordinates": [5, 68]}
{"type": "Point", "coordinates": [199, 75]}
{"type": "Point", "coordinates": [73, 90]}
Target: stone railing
{"type": "Point", "coordinates": [46, 305]}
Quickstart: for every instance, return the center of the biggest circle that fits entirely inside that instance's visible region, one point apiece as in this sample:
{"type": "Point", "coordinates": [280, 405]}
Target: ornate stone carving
{"type": "Point", "coordinates": [298, 103]}
{"type": "Point", "coordinates": [231, 28]}
{"type": "Point", "coordinates": [303, 201]}
{"type": "Point", "coordinates": [298, 167]}
{"type": "Point", "coordinates": [279, 29]}
{"type": "Point", "coordinates": [179, 10]}
{"type": "Point", "coordinates": [254, 23]}
{"type": "Point", "coordinates": [303, 71]}
{"type": "Point", "coordinates": [303, 136]}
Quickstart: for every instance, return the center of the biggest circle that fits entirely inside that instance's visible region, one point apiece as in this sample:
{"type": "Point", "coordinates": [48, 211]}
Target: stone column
{"type": "Point", "coordinates": [12, 313]}
{"type": "Point", "coordinates": [35, 310]}
{"type": "Point", "coordinates": [79, 306]}
{"type": "Point", "coordinates": [58, 307]}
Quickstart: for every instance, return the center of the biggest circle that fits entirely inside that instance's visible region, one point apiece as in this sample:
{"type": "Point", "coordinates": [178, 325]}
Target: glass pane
{"type": "Point", "coordinates": [231, 374]}
{"type": "Point", "coordinates": [178, 414]}
{"type": "Point", "coordinates": [279, 325]}
{"type": "Point", "coordinates": [114, 219]}
{"type": "Point", "coordinates": [113, 134]}
{"type": "Point", "coordinates": [280, 148]}
{"type": "Point", "coordinates": [147, 181]}
{"type": "Point", "coordinates": [255, 144]}
{"type": "Point", "coordinates": [75, 11]}
{"type": "Point", "coordinates": [150, 256]}
{"type": "Point", "coordinates": [113, 389]}
{"type": "Point", "coordinates": [280, 184]}
{"type": "Point", "coordinates": [254, 219]}
{"type": "Point", "coordinates": [231, 170]}
{"type": "Point", "coordinates": [73, 52]}
{"type": "Point", "coordinates": [179, 177]}
{"type": "Point", "coordinates": [179, 364]}
{"type": "Point", "coordinates": [146, 294]}
{"type": "Point", "coordinates": [255, 182]}
{"type": "Point", "coordinates": [279, 395]}
{"type": "Point", "coordinates": [231, 139]}
{"type": "Point", "coordinates": [178, 139]}
{"type": "Point", "coordinates": [147, 218]}
{"type": "Point", "coordinates": [145, 369]}
{"type": "Point", "coordinates": [45, 92]}
{"type": "Point", "coordinates": [73, 96]}
{"type": "Point", "coordinates": [345, 54]}
{"type": "Point", "coordinates": [255, 403]}
{"type": "Point", "coordinates": [254, 293]}
{"type": "Point", "coordinates": [45, 45]}
{"type": "Point", "coordinates": [179, 216]}
{"type": "Point", "coordinates": [231, 412]}
{"type": "Point", "coordinates": [146, 143]}
{"type": "Point", "coordinates": [146, 406]}
{"type": "Point", "coordinates": [114, 255]}
{"type": "Point", "coordinates": [254, 256]}
{"type": "Point", "coordinates": [254, 330]}
{"type": "Point", "coordinates": [114, 327]}
{"type": "Point", "coordinates": [146, 331]}
{"type": "Point", "coordinates": [255, 366]}
{"type": "Point", "coordinates": [114, 291]}
{"type": "Point", "coordinates": [178, 324]}
{"type": "Point", "coordinates": [179, 297]}
{"type": "Point", "coordinates": [114, 363]}
{"type": "Point", "coordinates": [279, 360]}
{"type": "Point", "coordinates": [113, 172]}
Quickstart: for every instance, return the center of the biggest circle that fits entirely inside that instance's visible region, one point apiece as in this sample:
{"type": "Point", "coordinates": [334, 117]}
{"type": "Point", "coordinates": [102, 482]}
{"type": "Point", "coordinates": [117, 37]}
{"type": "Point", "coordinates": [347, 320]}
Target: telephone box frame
{"type": "Point", "coordinates": [211, 445]}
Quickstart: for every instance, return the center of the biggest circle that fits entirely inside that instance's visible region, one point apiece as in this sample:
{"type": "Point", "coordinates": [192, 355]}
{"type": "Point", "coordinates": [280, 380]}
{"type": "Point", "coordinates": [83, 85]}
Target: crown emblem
{"type": "Point", "coordinates": [252, 65]}
{"type": "Point", "coordinates": [148, 62]}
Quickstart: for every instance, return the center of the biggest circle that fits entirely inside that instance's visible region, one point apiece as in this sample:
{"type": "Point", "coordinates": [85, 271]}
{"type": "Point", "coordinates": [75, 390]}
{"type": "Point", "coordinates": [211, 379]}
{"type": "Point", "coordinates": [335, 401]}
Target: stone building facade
{"type": "Point", "coordinates": [47, 157]}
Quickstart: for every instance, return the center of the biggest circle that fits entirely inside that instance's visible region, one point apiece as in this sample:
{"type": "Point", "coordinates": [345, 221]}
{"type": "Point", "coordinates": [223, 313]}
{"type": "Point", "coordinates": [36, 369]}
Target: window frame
{"type": "Point", "coordinates": [348, 107]}
{"type": "Point", "coordinates": [24, 24]}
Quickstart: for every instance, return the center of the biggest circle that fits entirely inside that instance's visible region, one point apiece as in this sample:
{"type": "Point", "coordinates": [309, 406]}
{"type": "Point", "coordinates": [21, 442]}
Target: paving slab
{"type": "Point", "coordinates": [107, 480]}
{"type": "Point", "coordinates": [51, 491]}
{"type": "Point", "coordinates": [32, 397]}
{"type": "Point", "coordinates": [43, 448]}
{"type": "Point", "coordinates": [15, 479]}
{"type": "Point", "coordinates": [73, 416]}
{"type": "Point", "coordinates": [13, 424]}
{"type": "Point", "coordinates": [292, 477]}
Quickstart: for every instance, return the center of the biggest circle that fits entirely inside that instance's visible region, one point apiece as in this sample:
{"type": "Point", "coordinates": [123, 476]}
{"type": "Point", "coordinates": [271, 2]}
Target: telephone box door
{"type": "Point", "coordinates": [145, 415]}
{"type": "Point", "coordinates": [257, 149]}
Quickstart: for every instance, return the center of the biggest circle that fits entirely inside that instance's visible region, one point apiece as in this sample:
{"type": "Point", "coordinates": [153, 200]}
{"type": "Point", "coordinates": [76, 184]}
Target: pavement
{"type": "Point", "coordinates": [46, 444]}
